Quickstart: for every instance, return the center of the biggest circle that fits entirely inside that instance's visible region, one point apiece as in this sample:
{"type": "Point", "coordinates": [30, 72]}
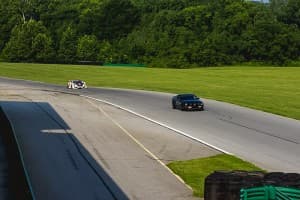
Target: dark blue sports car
{"type": "Point", "coordinates": [187, 102]}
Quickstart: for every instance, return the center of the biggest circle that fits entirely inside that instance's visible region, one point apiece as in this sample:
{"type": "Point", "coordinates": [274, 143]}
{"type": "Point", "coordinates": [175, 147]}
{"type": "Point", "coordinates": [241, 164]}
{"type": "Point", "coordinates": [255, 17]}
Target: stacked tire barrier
{"type": "Point", "coordinates": [226, 185]}
{"type": "Point", "coordinates": [18, 182]}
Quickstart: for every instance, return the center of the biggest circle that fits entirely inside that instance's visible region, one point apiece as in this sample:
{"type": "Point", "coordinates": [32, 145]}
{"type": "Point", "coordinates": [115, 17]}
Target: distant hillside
{"type": "Point", "coordinates": [163, 33]}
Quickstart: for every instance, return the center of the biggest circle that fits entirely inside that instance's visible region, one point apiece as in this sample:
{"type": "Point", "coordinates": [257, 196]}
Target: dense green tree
{"type": "Point", "coordinates": [68, 46]}
{"type": "Point", "coordinates": [8, 20]}
{"type": "Point", "coordinates": [292, 12]}
{"type": "Point", "coordinates": [110, 20]}
{"type": "Point", "coordinates": [20, 45]}
{"type": "Point", "coordinates": [272, 41]}
{"type": "Point", "coordinates": [42, 48]}
{"type": "Point", "coordinates": [171, 33]}
{"type": "Point", "coordinates": [198, 19]}
{"type": "Point", "coordinates": [58, 15]}
{"type": "Point", "coordinates": [159, 5]}
{"type": "Point", "coordinates": [278, 7]}
{"type": "Point", "coordinates": [87, 48]}
{"type": "Point", "coordinates": [106, 53]}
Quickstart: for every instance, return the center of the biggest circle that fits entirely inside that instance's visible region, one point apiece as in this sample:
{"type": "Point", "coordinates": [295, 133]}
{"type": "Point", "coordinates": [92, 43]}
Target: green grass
{"type": "Point", "coordinates": [193, 172]}
{"type": "Point", "coordinates": [271, 89]}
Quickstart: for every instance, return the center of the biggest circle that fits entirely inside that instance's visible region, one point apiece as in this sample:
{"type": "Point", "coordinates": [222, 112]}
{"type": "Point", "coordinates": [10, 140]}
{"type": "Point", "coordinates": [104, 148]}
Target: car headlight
{"type": "Point", "coordinates": [185, 104]}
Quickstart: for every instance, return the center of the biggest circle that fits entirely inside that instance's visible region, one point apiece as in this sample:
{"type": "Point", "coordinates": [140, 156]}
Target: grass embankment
{"type": "Point", "coordinates": [193, 172]}
{"type": "Point", "coordinates": [271, 89]}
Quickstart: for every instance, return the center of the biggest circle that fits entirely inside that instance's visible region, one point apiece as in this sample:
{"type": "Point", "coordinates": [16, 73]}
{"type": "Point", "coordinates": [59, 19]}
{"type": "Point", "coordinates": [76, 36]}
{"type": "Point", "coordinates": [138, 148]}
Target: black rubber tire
{"type": "Point", "coordinates": [173, 106]}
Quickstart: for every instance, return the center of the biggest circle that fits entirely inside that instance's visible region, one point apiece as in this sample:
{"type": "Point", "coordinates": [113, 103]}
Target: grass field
{"type": "Point", "coordinates": [193, 172]}
{"type": "Point", "coordinates": [271, 89]}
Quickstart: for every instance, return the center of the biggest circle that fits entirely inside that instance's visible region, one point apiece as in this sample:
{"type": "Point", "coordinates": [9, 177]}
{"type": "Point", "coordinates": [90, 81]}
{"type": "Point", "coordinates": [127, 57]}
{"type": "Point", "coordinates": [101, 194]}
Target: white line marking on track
{"type": "Point", "coordinates": [159, 123]}
{"type": "Point", "coordinates": [138, 143]}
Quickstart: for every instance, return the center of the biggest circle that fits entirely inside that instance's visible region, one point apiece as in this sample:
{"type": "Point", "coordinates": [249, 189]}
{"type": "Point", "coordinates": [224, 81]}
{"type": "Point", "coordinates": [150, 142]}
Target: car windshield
{"type": "Point", "coordinates": [188, 97]}
{"type": "Point", "coordinates": [78, 82]}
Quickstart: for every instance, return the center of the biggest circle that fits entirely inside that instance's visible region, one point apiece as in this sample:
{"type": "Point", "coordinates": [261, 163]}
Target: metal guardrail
{"type": "Point", "coordinates": [19, 186]}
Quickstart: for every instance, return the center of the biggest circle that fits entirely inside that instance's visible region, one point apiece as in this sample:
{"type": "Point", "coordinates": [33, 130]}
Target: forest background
{"type": "Point", "coordinates": [159, 33]}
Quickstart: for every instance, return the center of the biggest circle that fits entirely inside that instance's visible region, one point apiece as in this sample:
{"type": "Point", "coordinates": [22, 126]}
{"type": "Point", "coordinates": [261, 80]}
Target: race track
{"type": "Point", "coordinates": [270, 141]}
{"type": "Point", "coordinates": [77, 148]}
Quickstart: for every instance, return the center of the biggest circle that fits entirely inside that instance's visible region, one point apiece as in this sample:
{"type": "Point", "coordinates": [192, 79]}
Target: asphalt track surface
{"type": "Point", "coordinates": [78, 148]}
{"type": "Point", "coordinates": [270, 141]}
{"type": "Point", "coordinates": [3, 172]}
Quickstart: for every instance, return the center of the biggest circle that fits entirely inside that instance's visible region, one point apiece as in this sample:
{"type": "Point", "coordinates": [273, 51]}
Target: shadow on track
{"type": "Point", "coordinates": [58, 165]}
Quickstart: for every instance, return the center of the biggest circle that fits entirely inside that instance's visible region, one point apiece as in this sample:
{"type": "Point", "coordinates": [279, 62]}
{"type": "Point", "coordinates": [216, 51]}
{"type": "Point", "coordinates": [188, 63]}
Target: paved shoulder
{"type": "Point", "coordinates": [76, 149]}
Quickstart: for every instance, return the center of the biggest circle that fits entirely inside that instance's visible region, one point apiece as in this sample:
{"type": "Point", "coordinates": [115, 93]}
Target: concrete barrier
{"type": "Point", "coordinates": [19, 186]}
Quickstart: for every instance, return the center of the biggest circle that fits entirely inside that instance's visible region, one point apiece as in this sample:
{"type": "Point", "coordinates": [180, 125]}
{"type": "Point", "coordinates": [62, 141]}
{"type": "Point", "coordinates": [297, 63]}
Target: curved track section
{"type": "Point", "coordinates": [270, 141]}
{"type": "Point", "coordinates": [77, 148]}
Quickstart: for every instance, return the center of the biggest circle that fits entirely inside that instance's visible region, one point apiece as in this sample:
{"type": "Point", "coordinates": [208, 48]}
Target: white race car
{"type": "Point", "coordinates": [76, 84]}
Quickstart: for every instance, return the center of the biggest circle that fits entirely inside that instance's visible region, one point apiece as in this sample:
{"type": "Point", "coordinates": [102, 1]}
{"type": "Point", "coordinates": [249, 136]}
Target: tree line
{"type": "Point", "coordinates": [163, 33]}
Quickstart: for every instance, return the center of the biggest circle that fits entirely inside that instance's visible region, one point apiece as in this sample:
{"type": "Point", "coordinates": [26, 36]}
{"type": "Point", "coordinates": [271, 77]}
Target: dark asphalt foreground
{"type": "Point", "coordinates": [3, 171]}
{"type": "Point", "coordinates": [76, 148]}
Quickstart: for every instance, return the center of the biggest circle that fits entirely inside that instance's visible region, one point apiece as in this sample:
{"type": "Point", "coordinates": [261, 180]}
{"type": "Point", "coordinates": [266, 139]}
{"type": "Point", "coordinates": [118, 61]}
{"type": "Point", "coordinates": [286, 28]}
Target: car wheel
{"type": "Point", "coordinates": [182, 108]}
{"type": "Point", "coordinates": [173, 106]}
